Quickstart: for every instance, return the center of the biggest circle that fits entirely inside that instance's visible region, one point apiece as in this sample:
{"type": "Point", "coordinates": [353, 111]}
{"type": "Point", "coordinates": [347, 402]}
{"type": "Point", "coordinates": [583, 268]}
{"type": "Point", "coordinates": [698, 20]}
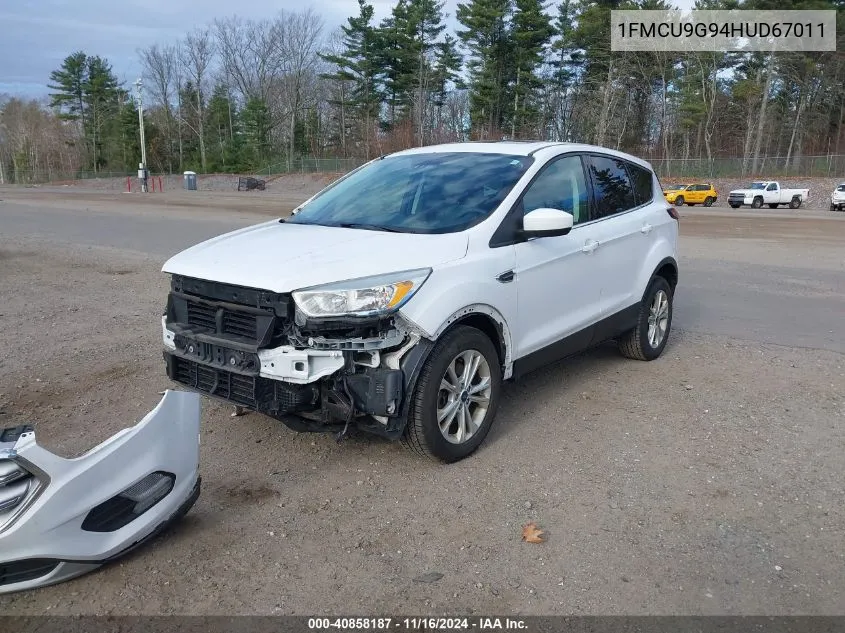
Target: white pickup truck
{"type": "Point", "coordinates": [767, 192]}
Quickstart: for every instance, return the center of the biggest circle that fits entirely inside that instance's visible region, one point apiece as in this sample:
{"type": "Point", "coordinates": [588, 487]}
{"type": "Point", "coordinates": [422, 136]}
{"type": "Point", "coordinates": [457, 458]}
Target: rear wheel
{"type": "Point", "coordinates": [679, 201]}
{"type": "Point", "coordinates": [757, 202]}
{"type": "Point", "coordinates": [795, 203]}
{"type": "Point", "coordinates": [647, 340]}
{"type": "Point", "coordinates": [456, 396]}
{"type": "Point", "coordinates": [709, 201]}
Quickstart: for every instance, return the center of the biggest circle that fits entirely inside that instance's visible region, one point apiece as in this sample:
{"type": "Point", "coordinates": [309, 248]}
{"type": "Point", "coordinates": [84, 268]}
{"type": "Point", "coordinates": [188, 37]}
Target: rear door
{"type": "Point", "coordinates": [623, 196]}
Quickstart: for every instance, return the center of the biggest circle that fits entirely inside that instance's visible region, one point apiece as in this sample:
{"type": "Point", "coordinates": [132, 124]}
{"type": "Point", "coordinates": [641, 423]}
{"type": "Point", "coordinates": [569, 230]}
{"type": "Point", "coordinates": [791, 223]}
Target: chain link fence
{"type": "Point", "coordinates": [313, 166]}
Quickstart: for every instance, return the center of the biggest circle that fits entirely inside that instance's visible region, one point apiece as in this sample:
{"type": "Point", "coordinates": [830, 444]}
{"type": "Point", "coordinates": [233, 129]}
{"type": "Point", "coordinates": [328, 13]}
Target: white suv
{"type": "Point", "coordinates": [398, 299]}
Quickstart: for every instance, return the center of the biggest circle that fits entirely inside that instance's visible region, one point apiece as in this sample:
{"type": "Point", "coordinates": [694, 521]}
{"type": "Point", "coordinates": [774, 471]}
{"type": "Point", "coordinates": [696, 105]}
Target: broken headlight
{"type": "Point", "coordinates": [368, 296]}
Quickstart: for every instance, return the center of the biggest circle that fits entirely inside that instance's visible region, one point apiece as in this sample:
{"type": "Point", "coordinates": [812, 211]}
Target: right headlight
{"type": "Point", "coordinates": [367, 296]}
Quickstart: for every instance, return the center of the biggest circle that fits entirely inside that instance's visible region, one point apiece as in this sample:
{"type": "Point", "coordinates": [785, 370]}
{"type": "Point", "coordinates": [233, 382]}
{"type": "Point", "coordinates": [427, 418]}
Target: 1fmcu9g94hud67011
{"type": "Point", "coordinates": [398, 299]}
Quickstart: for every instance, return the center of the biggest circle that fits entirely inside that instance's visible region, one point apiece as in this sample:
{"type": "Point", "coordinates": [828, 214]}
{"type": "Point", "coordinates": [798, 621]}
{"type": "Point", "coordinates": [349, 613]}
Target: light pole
{"type": "Point", "coordinates": [142, 168]}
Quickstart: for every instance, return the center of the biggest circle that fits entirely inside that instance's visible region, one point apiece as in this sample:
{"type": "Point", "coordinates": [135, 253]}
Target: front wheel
{"type": "Point", "coordinates": [456, 396]}
{"type": "Point", "coordinates": [757, 202]}
{"type": "Point", "coordinates": [679, 201]}
{"type": "Point", "coordinates": [648, 338]}
{"type": "Point", "coordinates": [734, 206]}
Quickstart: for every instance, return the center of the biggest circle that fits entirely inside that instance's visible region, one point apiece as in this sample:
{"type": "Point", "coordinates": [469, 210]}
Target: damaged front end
{"type": "Point", "coordinates": [61, 518]}
{"type": "Point", "coordinates": [257, 350]}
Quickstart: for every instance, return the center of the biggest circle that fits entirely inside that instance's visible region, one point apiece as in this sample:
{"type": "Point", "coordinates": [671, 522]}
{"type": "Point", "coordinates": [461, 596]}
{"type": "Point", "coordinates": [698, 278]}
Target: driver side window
{"type": "Point", "coordinates": [561, 185]}
{"type": "Point", "coordinates": [771, 187]}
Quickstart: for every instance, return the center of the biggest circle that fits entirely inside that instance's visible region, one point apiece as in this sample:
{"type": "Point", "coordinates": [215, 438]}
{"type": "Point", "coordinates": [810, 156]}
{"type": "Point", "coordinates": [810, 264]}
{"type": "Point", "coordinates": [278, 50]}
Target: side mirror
{"type": "Point", "coordinates": [546, 223]}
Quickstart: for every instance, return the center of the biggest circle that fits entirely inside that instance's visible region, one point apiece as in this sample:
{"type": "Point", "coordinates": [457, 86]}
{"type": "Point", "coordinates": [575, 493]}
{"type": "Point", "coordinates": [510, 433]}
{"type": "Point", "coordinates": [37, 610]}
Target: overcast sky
{"type": "Point", "coordinates": [36, 35]}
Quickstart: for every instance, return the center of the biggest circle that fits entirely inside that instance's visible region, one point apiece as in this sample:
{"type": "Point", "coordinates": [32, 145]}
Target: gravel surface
{"type": "Point", "coordinates": [707, 482]}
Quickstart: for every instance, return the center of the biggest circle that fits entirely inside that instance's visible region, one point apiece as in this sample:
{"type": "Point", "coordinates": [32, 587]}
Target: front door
{"type": "Point", "coordinates": [558, 292]}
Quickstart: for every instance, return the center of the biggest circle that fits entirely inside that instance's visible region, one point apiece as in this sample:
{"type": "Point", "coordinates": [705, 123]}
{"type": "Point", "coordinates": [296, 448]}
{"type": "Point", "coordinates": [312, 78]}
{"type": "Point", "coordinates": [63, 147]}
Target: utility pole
{"type": "Point", "coordinates": [142, 167]}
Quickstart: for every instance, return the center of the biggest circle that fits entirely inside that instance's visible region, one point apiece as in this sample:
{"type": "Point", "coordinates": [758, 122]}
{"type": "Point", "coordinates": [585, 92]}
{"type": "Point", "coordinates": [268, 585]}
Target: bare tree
{"type": "Point", "coordinates": [160, 68]}
{"type": "Point", "coordinates": [249, 55]}
{"type": "Point", "coordinates": [299, 41]}
{"type": "Point", "coordinates": [197, 56]}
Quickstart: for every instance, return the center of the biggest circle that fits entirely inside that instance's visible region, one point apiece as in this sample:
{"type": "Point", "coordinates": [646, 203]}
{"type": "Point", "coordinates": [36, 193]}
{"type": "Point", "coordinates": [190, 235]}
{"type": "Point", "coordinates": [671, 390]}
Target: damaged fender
{"type": "Point", "coordinates": [61, 518]}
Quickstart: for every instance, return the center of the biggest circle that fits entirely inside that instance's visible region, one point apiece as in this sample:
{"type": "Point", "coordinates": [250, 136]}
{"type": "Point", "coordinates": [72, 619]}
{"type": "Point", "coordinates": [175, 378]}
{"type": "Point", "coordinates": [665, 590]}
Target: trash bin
{"type": "Point", "coordinates": [191, 180]}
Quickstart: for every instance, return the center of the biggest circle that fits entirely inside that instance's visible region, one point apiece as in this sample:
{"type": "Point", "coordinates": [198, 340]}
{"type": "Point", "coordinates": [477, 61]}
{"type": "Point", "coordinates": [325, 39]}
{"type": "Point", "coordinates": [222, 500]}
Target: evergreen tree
{"type": "Point", "coordinates": [486, 37]}
{"type": "Point", "coordinates": [87, 91]}
{"type": "Point", "coordinates": [358, 63]}
{"type": "Point", "coordinates": [532, 31]}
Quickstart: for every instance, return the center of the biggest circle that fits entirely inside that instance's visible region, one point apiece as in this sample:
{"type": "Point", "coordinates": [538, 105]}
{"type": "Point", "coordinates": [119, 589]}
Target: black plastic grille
{"type": "Point", "coordinates": [239, 324]}
{"type": "Point", "coordinates": [254, 392]}
{"type": "Point", "coordinates": [24, 570]}
{"type": "Point", "coordinates": [224, 384]}
{"type": "Point", "coordinates": [202, 315]}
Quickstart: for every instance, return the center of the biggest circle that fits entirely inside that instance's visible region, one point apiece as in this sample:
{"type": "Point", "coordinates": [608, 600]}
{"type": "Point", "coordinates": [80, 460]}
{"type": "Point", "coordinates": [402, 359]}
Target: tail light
{"type": "Point", "coordinates": [672, 212]}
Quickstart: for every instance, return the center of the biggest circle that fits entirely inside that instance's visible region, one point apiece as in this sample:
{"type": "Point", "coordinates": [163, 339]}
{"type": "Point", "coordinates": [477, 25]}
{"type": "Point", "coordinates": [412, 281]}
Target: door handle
{"type": "Point", "coordinates": [589, 246]}
{"type": "Point", "coordinates": [646, 229]}
{"type": "Point", "coordinates": [506, 277]}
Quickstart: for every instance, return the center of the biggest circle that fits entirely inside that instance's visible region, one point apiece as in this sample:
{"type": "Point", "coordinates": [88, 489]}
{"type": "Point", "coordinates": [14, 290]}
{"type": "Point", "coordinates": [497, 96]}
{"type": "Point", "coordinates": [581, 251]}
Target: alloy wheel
{"type": "Point", "coordinates": [464, 396]}
{"type": "Point", "coordinates": [658, 319]}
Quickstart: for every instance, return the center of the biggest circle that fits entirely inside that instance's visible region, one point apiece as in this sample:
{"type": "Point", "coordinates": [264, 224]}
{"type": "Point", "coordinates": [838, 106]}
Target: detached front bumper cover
{"type": "Point", "coordinates": [61, 518]}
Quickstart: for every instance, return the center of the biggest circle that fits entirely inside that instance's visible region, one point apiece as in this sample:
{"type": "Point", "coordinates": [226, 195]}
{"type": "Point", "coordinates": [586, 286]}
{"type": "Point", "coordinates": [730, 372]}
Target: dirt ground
{"type": "Point", "coordinates": [707, 482]}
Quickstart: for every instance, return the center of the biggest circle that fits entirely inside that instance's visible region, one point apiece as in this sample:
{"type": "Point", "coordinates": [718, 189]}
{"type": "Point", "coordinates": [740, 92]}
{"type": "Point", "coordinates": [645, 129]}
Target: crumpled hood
{"type": "Point", "coordinates": [282, 257]}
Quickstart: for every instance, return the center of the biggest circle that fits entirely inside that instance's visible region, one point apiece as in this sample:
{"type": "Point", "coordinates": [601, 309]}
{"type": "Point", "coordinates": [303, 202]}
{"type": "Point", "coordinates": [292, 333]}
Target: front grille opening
{"type": "Point", "coordinates": [25, 570]}
{"type": "Point", "coordinates": [224, 384]}
{"type": "Point", "coordinates": [201, 315]}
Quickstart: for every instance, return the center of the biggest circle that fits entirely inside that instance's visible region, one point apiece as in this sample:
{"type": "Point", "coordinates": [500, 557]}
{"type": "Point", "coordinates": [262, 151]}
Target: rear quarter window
{"type": "Point", "coordinates": [642, 183]}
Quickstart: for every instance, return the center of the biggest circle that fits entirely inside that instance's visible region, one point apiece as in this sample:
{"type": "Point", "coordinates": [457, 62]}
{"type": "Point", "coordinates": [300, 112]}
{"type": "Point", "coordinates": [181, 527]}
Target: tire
{"type": "Point", "coordinates": [795, 203]}
{"type": "Point", "coordinates": [636, 343]}
{"type": "Point", "coordinates": [734, 206]}
{"type": "Point", "coordinates": [773, 206]}
{"type": "Point", "coordinates": [422, 432]}
{"type": "Point", "coordinates": [708, 202]}
{"type": "Point", "coordinates": [679, 201]}
{"type": "Point", "coordinates": [757, 202]}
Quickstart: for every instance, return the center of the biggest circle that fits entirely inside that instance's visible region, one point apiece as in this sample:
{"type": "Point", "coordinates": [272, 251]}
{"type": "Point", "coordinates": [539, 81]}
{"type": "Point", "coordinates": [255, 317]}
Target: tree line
{"type": "Point", "coordinates": [239, 95]}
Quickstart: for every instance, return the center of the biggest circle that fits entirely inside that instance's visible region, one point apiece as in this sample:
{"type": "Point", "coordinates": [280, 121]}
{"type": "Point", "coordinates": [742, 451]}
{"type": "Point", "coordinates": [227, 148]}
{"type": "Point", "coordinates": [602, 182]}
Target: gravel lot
{"type": "Point", "coordinates": [707, 482]}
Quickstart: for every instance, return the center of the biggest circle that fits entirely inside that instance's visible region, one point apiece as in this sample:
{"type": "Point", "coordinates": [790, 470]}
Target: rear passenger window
{"type": "Point", "coordinates": [611, 187]}
{"type": "Point", "coordinates": [642, 182]}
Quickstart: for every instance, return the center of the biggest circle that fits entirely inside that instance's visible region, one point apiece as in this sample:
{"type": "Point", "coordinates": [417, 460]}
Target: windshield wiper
{"type": "Point", "coordinates": [368, 227]}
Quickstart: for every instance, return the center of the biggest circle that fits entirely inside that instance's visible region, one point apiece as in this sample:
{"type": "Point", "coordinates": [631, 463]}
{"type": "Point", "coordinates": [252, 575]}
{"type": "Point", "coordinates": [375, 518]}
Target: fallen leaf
{"type": "Point", "coordinates": [532, 534]}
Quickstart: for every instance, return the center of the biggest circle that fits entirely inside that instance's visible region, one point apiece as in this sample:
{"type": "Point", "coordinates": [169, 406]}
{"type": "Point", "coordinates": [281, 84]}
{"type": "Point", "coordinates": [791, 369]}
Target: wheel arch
{"type": "Point", "coordinates": [489, 321]}
{"type": "Point", "coordinates": [668, 269]}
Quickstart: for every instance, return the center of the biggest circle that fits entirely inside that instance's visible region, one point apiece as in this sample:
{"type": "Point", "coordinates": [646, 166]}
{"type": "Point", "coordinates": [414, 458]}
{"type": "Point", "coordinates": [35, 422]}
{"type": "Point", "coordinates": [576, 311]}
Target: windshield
{"type": "Point", "coordinates": [418, 193]}
{"type": "Point", "coordinates": [757, 185]}
{"type": "Point", "coordinates": [841, 187]}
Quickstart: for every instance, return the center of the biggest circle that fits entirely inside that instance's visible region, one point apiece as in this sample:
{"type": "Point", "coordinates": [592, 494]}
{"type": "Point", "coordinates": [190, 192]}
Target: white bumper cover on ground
{"type": "Point", "coordinates": [60, 518]}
